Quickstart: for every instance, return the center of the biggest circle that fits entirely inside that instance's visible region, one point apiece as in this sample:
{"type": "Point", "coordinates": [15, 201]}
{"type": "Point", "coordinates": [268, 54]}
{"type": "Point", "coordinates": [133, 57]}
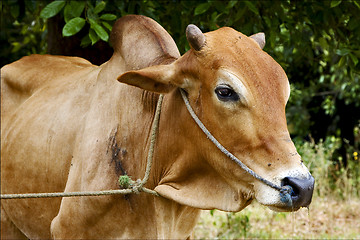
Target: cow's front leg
{"type": "Point", "coordinates": [66, 224]}
{"type": "Point", "coordinates": [96, 217]}
{"type": "Point", "coordinates": [8, 228]}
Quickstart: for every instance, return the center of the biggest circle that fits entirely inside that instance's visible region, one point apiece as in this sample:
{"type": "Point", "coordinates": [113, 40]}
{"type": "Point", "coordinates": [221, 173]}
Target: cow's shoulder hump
{"type": "Point", "coordinates": [30, 72]}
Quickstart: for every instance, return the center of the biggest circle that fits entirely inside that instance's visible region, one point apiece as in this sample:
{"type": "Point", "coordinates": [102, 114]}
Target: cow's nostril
{"type": "Point", "coordinates": [302, 190]}
{"type": "Point", "coordinates": [287, 182]}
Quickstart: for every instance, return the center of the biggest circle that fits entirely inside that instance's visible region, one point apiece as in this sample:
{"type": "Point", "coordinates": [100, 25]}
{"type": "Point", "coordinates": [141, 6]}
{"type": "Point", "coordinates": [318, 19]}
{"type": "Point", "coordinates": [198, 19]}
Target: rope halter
{"type": "Point", "coordinates": [285, 191]}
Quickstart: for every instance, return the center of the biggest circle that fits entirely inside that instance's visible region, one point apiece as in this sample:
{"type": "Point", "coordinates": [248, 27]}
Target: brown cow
{"type": "Point", "coordinates": [67, 125]}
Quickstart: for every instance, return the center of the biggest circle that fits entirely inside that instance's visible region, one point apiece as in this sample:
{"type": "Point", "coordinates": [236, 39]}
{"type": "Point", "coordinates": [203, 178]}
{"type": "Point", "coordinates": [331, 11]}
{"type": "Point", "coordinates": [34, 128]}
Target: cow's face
{"type": "Point", "coordinates": [239, 92]}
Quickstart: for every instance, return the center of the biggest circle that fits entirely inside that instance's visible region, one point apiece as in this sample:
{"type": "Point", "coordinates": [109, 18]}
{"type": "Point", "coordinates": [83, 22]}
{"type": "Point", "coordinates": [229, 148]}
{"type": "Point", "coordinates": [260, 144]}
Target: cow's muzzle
{"type": "Point", "coordinates": [302, 190]}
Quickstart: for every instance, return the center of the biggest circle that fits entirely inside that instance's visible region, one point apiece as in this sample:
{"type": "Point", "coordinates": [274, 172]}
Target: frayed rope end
{"type": "Point", "coordinates": [285, 195]}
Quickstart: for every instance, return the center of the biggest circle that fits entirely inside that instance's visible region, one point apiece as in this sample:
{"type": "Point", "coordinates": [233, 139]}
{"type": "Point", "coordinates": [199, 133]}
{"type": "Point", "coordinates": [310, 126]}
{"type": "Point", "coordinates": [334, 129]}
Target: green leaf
{"type": "Point", "coordinates": [73, 26]}
{"type": "Point", "coordinates": [90, 13]}
{"type": "Point", "coordinates": [108, 17]}
{"type": "Point", "coordinates": [220, 7]}
{"type": "Point", "coordinates": [85, 41]}
{"type": "Point", "coordinates": [335, 3]}
{"type": "Point", "coordinates": [107, 25]}
{"type": "Point", "coordinates": [73, 9]}
{"type": "Point", "coordinates": [99, 7]}
{"type": "Point", "coordinates": [93, 36]}
{"type": "Point", "coordinates": [201, 8]}
{"type": "Point", "coordinates": [252, 7]}
{"type": "Point", "coordinates": [100, 31]}
{"type": "Point", "coordinates": [15, 11]}
{"type": "Point", "coordinates": [342, 52]}
{"type": "Point", "coordinates": [342, 61]}
{"type": "Point", "coordinates": [323, 43]}
{"type": "Point", "coordinates": [357, 3]}
{"type": "Point", "coordinates": [16, 46]}
{"type": "Point", "coordinates": [52, 9]}
{"type": "Point", "coordinates": [231, 4]}
{"type": "Point", "coordinates": [354, 59]}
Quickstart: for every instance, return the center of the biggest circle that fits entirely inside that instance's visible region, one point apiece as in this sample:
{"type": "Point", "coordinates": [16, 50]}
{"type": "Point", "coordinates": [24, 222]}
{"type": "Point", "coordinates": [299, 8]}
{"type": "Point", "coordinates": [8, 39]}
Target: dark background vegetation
{"type": "Point", "coordinates": [316, 42]}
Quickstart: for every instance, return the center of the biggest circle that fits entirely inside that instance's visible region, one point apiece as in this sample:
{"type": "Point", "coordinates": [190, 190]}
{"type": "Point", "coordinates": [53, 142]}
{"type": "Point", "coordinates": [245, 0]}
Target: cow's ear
{"type": "Point", "coordinates": [159, 78]}
{"type": "Point", "coordinates": [259, 38]}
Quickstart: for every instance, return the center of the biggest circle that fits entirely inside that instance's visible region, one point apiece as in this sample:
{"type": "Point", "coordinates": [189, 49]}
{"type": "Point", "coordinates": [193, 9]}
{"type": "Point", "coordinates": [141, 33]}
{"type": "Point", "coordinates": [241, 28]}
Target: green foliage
{"type": "Point", "coordinates": [332, 178]}
{"type": "Point", "coordinates": [200, 9]}
{"type": "Point", "coordinates": [108, 17]}
{"type": "Point", "coordinates": [99, 30]}
{"type": "Point", "coordinates": [22, 32]}
{"type": "Point", "coordinates": [73, 9]}
{"type": "Point", "coordinates": [72, 12]}
{"type": "Point", "coordinates": [230, 225]}
{"type": "Point", "coordinates": [52, 9]}
{"type": "Point", "coordinates": [73, 26]}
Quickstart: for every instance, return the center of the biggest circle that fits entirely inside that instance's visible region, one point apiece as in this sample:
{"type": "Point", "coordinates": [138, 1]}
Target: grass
{"type": "Point", "coordinates": [327, 218]}
{"type": "Point", "coordinates": [333, 214]}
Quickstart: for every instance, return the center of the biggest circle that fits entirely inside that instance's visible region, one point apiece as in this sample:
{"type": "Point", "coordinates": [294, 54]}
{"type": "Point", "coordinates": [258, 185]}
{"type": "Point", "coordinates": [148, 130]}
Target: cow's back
{"type": "Point", "coordinates": [20, 79]}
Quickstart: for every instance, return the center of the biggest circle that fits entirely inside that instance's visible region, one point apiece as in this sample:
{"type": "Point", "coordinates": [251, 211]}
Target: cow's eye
{"type": "Point", "coordinates": [226, 93]}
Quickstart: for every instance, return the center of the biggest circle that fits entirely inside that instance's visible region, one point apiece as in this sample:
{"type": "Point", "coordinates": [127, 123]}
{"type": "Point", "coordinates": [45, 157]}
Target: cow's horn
{"type": "Point", "coordinates": [195, 37]}
{"type": "Point", "coordinates": [259, 38]}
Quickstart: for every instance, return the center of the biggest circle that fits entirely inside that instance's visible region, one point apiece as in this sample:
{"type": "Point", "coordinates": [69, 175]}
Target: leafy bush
{"type": "Point", "coordinates": [331, 177]}
{"type": "Point", "coordinates": [77, 14]}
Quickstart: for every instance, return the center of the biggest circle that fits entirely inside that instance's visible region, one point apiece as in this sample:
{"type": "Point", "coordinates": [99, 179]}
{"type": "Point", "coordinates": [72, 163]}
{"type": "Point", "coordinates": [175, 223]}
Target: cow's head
{"type": "Point", "coordinates": [239, 92]}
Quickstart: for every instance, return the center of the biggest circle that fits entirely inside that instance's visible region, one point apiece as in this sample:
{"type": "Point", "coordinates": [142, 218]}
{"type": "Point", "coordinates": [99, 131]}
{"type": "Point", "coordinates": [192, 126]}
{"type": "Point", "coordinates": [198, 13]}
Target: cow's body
{"type": "Point", "coordinates": [67, 125]}
{"type": "Point", "coordinates": [56, 149]}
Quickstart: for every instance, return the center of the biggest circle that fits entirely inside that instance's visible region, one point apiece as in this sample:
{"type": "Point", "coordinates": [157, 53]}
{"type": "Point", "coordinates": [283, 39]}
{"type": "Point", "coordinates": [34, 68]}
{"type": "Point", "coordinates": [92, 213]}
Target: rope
{"type": "Point", "coordinates": [154, 130]}
{"type": "Point", "coordinates": [138, 186]}
{"type": "Point", "coordinates": [66, 194]}
{"type": "Point", "coordinates": [134, 187]}
{"type": "Point", "coordinates": [285, 191]}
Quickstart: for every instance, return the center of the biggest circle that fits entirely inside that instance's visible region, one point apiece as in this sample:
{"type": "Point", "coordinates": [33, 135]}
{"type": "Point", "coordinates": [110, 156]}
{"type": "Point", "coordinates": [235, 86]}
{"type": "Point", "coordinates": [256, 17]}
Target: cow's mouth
{"type": "Point", "coordinates": [299, 193]}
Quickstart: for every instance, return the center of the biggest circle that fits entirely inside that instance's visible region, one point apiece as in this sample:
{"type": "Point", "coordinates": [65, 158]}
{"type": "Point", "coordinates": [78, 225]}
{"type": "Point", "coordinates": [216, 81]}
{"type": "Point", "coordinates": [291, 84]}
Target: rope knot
{"type": "Point", "coordinates": [137, 186]}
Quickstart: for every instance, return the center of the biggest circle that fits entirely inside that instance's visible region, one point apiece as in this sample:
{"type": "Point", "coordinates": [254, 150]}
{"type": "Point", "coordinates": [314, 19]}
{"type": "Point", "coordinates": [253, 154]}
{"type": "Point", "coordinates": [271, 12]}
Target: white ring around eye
{"type": "Point", "coordinates": [226, 78]}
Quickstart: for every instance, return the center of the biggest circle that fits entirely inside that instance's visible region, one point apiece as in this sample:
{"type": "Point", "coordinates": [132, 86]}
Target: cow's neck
{"type": "Point", "coordinates": [168, 148]}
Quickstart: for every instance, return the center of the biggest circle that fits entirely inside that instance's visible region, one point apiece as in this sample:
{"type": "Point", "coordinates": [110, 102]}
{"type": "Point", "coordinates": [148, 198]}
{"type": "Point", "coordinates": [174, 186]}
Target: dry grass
{"type": "Point", "coordinates": [327, 218]}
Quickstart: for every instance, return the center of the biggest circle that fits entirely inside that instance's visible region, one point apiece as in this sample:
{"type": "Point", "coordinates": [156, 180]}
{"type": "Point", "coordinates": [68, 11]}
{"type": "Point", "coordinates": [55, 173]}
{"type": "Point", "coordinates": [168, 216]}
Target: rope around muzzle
{"type": "Point", "coordinates": [131, 186]}
{"type": "Point", "coordinates": [285, 191]}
